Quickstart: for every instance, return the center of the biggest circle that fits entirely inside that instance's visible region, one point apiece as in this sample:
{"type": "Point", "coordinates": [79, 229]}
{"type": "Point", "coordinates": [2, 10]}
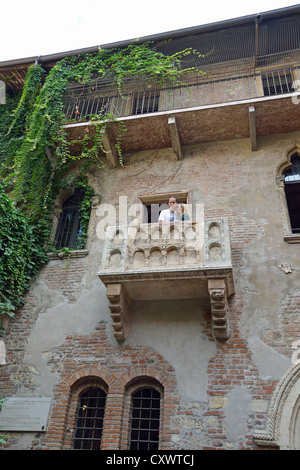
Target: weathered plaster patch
{"type": "Point", "coordinates": [236, 413]}
{"type": "Point", "coordinates": [58, 319]}
{"type": "Point", "coordinates": [174, 329]}
{"type": "Point", "coordinates": [260, 406]}
{"type": "Point", "coordinates": [270, 363]}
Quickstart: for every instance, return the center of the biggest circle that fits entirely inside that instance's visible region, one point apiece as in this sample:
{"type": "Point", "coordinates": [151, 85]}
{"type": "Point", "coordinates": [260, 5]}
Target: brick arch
{"type": "Point", "coordinates": [116, 385]}
{"type": "Point", "coordinates": [86, 372]}
{"type": "Point", "coordinates": [141, 381]}
{"type": "Point", "coordinates": [137, 372]}
{"type": "Point", "coordinates": [59, 433]}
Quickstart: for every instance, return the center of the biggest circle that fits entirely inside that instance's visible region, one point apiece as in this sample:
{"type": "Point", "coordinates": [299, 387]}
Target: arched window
{"type": "Point", "coordinates": [145, 419]}
{"type": "Point", "coordinates": [89, 419]}
{"type": "Point", "coordinates": [283, 423]}
{"type": "Point", "coordinates": [69, 229]}
{"type": "Point", "coordinates": [292, 192]}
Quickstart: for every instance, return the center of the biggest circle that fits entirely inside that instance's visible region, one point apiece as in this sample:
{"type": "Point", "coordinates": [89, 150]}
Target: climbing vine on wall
{"type": "Point", "coordinates": [20, 253]}
{"type": "Point", "coordinates": [36, 153]}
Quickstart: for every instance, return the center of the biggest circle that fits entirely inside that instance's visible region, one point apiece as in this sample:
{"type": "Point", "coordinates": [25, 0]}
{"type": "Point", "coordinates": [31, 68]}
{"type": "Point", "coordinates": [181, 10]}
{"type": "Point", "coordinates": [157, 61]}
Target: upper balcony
{"type": "Point", "coordinates": [233, 100]}
{"type": "Point", "coordinates": [251, 74]}
{"type": "Point", "coordinates": [167, 261]}
{"type": "Point", "coordinates": [251, 67]}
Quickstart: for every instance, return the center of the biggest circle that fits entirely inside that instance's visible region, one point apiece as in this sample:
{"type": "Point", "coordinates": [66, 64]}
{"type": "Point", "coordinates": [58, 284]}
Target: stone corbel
{"type": "Point", "coordinates": [252, 128]}
{"type": "Point", "coordinates": [219, 308]}
{"type": "Point", "coordinates": [176, 144]}
{"type": "Point", "coordinates": [119, 305]}
{"type": "Point", "coordinates": [110, 148]}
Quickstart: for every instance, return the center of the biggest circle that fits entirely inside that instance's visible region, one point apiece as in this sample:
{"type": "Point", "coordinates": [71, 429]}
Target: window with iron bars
{"type": "Point", "coordinates": [292, 192]}
{"type": "Point", "coordinates": [69, 232]}
{"type": "Point", "coordinates": [277, 82]}
{"type": "Point", "coordinates": [89, 420]}
{"type": "Point", "coordinates": [145, 419]}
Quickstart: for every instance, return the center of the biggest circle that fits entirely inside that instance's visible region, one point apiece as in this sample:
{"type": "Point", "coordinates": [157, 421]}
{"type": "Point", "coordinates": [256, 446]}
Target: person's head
{"type": "Point", "coordinates": [172, 203]}
{"type": "Point", "coordinates": [180, 209]}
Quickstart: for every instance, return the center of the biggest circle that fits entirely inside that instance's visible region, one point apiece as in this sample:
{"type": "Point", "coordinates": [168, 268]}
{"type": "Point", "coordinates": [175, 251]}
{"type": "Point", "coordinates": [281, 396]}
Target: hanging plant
{"type": "Point", "coordinates": [45, 149]}
{"type": "Point", "coordinates": [21, 255]}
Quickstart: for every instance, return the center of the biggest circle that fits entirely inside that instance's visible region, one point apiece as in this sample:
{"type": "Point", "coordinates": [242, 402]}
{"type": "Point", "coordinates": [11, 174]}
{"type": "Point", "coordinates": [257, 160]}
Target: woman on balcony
{"type": "Point", "coordinates": [180, 214]}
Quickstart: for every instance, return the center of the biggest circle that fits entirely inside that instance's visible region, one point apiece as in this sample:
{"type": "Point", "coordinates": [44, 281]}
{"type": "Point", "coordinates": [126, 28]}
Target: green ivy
{"type": "Point", "coordinates": [45, 151]}
{"type": "Point", "coordinates": [36, 155]}
{"type": "Point", "coordinates": [21, 255]}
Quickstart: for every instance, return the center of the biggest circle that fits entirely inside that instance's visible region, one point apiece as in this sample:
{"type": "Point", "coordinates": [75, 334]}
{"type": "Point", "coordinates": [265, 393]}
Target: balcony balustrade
{"type": "Point", "coordinates": [82, 102]}
{"type": "Point", "coordinates": [168, 261]}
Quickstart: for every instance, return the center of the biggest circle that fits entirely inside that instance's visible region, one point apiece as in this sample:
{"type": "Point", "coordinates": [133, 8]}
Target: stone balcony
{"type": "Point", "coordinates": [180, 260]}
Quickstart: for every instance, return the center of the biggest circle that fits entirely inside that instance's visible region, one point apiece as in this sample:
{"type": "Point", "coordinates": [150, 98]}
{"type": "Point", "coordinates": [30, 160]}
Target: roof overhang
{"type": "Point", "coordinates": [14, 71]}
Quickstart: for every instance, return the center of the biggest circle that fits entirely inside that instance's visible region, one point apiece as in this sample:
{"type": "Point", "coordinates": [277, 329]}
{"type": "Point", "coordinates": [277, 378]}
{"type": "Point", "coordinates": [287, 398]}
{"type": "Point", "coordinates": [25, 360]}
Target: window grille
{"type": "Point", "coordinates": [90, 420]}
{"type": "Point", "coordinates": [69, 229]}
{"type": "Point", "coordinates": [292, 192]}
{"type": "Point", "coordinates": [277, 82]}
{"type": "Point", "coordinates": [145, 414]}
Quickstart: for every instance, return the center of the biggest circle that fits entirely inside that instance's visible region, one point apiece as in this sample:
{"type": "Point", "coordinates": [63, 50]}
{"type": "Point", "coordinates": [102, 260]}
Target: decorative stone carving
{"type": "Point", "coordinates": [214, 231]}
{"type": "Point", "coordinates": [289, 237]}
{"type": "Point", "coordinates": [282, 428]}
{"type": "Point", "coordinates": [287, 268]}
{"type": "Point", "coordinates": [219, 308]}
{"type": "Point", "coordinates": [217, 242]}
{"type": "Point", "coordinates": [167, 261]}
{"type": "Point", "coordinates": [215, 252]}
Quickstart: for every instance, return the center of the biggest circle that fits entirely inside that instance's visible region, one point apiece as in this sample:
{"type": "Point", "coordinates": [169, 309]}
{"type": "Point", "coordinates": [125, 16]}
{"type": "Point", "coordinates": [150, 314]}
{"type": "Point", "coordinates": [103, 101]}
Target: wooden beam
{"type": "Point", "coordinates": [176, 144]}
{"type": "Point", "coordinates": [110, 149]}
{"type": "Point", "coordinates": [252, 128]}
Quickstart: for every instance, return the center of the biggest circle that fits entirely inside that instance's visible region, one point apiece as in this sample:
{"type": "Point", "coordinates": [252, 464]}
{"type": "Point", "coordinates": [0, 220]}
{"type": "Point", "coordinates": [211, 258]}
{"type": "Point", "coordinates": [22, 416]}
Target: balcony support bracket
{"type": "Point", "coordinates": [110, 149]}
{"type": "Point", "coordinates": [219, 308]}
{"type": "Point", "coordinates": [119, 306]}
{"type": "Point", "coordinates": [176, 144]}
{"type": "Point", "coordinates": [252, 128]}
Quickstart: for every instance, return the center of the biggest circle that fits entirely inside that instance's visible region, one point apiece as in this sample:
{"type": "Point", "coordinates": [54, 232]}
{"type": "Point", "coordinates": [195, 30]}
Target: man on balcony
{"type": "Point", "coordinates": [168, 215]}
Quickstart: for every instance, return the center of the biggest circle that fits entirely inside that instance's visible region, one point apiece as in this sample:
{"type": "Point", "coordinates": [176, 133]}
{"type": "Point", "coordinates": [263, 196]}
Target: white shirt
{"type": "Point", "coordinates": [166, 216]}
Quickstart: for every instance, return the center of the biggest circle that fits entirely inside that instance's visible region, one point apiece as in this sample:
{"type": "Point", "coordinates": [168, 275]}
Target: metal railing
{"type": "Point", "coordinates": [83, 102]}
{"type": "Point", "coordinates": [278, 82]}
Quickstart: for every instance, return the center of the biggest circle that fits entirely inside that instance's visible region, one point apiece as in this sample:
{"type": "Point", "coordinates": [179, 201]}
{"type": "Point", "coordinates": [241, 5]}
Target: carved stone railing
{"type": "Point", "coordinates": [181, 260]}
